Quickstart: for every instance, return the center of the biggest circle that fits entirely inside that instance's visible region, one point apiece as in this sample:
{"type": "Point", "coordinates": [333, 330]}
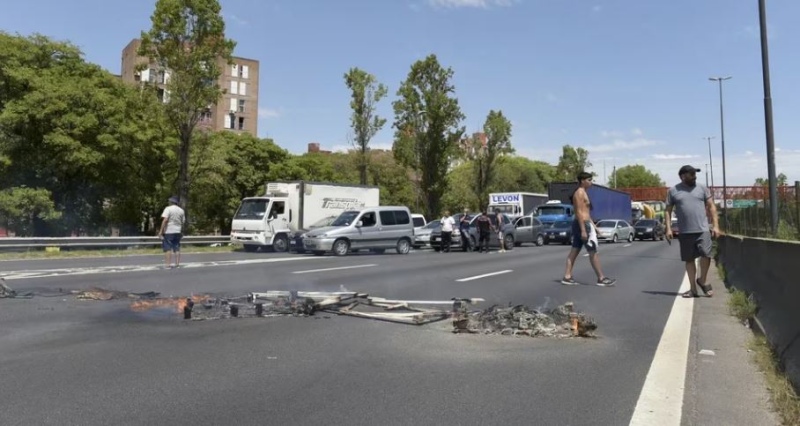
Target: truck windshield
{"type": "Point", "coordinates": [345, 219]}
{"type": "Point", "coordinates": [545, 211]}
{"type": "Point", "coordinates": [252, 209]}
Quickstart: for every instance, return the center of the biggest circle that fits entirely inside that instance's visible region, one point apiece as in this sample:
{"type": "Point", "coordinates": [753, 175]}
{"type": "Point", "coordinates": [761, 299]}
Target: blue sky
{"type": "Point", "coordinates": [625, 79]}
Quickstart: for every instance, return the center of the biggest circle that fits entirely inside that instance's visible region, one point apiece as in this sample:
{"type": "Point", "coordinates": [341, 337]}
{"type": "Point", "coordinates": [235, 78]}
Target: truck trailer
{"type": "Point", "coordinates": [515, 203]}
{"type": "Point", "coordinates": [607, 203]}
{"type": "Point", "coordinates": [272, 220]}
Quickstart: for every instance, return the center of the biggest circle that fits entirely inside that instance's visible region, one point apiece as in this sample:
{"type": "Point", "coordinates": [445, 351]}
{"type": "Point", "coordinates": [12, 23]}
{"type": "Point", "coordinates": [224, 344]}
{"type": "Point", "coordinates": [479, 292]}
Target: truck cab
{"type": "Point", "coordinates": [554, 211]}
{"type": "Point", "coordinates": [262, 221]}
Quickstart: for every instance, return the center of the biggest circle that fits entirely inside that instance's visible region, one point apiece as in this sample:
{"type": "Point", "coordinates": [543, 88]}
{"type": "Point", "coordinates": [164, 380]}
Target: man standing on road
{"type": "Point", "coordinates": [447, 231]}
{"type": "Point", "coordinates": [500, 236]}
{"type": "Point", "coordinates": [485, 228]}
{"type": "Point", "coordinates": [463, 227]}
{"type": "Point", "coordinates": [172, 221]}
{"type": "Point", "coordinates": [693, 204]}
{"type": "Point", "coordinates": [584, 233]}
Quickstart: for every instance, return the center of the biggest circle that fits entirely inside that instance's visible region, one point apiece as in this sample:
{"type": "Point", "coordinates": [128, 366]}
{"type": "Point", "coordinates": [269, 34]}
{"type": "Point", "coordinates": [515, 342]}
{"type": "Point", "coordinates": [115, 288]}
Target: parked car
{"type": "Point", "coordinates": [371, 228]}
{"type": "Point", "coordinates": [675, 228]}
{"type": "Point", "coordinates": [419, 221]}
{"type": "Point", "coordinates": [649, 229]}
{"type": "Point", "coordinates": [529, 229]}
{"type": "Point", "coordinates": [613, 230]}
{"type": "Point", "coordinates": [494, 241]}
{"type": "Point", "coordinates": [559, 232]}
{"type": "Point", "coordinates": [296, 243]}
{"type": "Point", "coordinates": [436, 233]}
{"type": "Point", "coordinates": [422, 236]}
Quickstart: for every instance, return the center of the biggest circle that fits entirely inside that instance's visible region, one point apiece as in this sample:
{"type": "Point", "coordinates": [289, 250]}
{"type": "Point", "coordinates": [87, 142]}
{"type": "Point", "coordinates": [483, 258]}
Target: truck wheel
{"type": "Point", "coordinates": [280, 244]}
{"type": "Point", "coordinates": [539, 240]}
{"type": "Point", "coordinates": [250, 248]}
{"type": "Point", "coordinates": [508, 240]}
{"type": "Point", "coordinates": [403, 246]}
{"type": "Point", "coordinates": [341, 247]}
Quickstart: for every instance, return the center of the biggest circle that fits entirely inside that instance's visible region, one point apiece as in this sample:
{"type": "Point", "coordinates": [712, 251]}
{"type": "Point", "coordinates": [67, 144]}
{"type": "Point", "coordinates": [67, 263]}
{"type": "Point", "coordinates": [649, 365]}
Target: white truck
{"type": "Point", "coordinates": [271, 220]}
{"type": "Point", "coordinates": [516, 203]}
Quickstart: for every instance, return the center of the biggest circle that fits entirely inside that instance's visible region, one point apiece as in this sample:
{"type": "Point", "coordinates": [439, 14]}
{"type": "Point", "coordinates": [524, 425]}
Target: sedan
{"type": "Point", "coordinates": [297, 239]}
{"type": "Point", "coordinates": [649, 229]}
{"type": "Point", "coordinates": [559, 232]}
{"type": "Point", "coordinates": [422, 236]}
{"type": "Point", "coordinates": [613, 230]}
{"type": "Point", "coordinates": [529, 230]}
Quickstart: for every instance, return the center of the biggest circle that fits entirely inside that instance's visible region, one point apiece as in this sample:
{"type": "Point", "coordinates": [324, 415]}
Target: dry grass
{"type": "Point", "coordinates": [783, 396]}
{"type": "Point", "coordinates": [741, 305]}
{"type": "Point", "coordinates": [41, 254]}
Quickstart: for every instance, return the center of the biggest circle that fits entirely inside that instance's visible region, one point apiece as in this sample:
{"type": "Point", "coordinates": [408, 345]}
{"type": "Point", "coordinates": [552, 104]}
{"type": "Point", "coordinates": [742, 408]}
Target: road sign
{"type": "Point", "coordinates": [741, 204]}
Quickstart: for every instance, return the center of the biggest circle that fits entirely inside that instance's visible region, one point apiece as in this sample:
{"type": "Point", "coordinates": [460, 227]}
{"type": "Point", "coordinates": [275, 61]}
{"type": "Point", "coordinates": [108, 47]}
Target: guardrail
{"type": "Point", "coordinates": [16, 244]}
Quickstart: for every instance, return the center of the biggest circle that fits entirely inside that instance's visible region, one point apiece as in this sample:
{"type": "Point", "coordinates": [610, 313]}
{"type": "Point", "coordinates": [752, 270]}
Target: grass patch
{"type": "Point", "coordinates": [66, 254]}
{"type": "Point", "coordinates": [721, 272]}
{"type": "Point", "coordinates": [783, 395]}
{"type": "Point", "coordinates": [741, 305]}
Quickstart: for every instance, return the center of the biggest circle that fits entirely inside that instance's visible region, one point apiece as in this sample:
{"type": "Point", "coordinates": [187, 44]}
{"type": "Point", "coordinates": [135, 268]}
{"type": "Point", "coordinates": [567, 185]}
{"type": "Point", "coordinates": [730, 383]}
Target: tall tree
{"type": "Point", "coordinates": [427, 119]}
{"type": "Point", "coordinates": [187, 39]}
{"type": "Point", "coordinates": [485, 150]}
{"type": "Point", "coordinates": [781, 179]}
{"type": "Point", "coordinates": [636, 176]}
{"type": "Point", "coordinates": [366, 92]}
{"type": "Point", "coordinates": [571, 162]}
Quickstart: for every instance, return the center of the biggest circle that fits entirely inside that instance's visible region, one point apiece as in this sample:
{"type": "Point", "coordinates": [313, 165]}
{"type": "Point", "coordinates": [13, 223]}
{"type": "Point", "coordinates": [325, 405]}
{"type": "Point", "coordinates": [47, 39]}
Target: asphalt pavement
{"type": "Point", "coordinates": [65, 361]}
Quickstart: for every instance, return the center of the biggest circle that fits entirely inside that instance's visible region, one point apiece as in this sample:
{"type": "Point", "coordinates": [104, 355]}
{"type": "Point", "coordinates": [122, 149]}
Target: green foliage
{"type": "Point", "coordinates": [366, 92]}
{"type": "Point", "coordinates": [427, 119]}
{"type": "Point", "coordinates": [497, 130]}
{"type": "Point", "coordinates": [187, 39]}
{"type": "Point", "coordinates": [636, 176]}
{"type": "Point", "coordinates": [781, 179]}
{"type": "Point", "coordinates": [20, 207]}
{"type": "Point", "coordinates": [571, 162]}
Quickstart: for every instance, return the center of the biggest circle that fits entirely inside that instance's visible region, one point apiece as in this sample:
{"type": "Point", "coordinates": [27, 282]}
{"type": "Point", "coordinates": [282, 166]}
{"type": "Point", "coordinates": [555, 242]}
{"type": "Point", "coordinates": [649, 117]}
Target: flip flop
{"type": "Point", "coordinates": [689, 294]}
{"type": "Point", "coordinates": [706, 288]}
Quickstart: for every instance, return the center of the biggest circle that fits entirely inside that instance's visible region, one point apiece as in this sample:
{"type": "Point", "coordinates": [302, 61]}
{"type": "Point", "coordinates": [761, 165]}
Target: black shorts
{"type": "Point", "coordinates": [694, 245]}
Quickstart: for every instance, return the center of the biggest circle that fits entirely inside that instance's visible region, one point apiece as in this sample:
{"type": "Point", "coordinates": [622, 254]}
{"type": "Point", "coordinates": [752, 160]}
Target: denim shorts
{"type": "Point", "coordinates": [171, 242]}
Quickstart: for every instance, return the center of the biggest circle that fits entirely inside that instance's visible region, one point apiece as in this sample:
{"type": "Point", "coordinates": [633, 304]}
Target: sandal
{"type": "Point", "coordinates": [690, 293]}
{"type": "Point", "coordinates": [706, 288]}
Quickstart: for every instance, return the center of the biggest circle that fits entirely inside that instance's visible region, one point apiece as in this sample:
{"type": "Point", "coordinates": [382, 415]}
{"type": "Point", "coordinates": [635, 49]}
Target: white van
{"type": "Point", "coordinates": [373, 228]}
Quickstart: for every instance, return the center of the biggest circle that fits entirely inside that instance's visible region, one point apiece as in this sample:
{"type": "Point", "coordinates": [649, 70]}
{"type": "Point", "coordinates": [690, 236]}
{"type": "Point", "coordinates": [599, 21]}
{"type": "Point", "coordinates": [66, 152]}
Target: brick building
{"type": "Point", "coordinates": [237, 109]}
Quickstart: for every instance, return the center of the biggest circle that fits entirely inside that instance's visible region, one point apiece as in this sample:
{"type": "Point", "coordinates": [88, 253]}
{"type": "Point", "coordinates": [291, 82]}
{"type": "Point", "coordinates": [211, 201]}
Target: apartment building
{"type": "Point", "coordinates": [237, 109]}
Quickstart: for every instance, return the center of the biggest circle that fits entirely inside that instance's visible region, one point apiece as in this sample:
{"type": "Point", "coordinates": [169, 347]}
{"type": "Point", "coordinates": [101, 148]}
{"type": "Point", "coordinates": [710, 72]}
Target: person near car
{"type": "Point", "coordinates": [500, 236]}
{"type": "Point", "coordinates": [463, 227]}
{"type": "Point", "coordinates": [485, 229]}
{"type": "Point", "coordinates": [170, 233]}
{"type": "Point", "coordinates": [584, 234]}
{"type": "Point", "coordinates": [448, 223]}
{"type": "Point", "coordinates": [693, 204]}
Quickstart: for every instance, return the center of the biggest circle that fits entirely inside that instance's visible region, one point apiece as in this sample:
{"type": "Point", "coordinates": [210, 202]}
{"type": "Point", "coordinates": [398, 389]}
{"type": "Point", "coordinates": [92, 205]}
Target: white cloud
{"type": "Point", "coordinates": [636, 131]}
{"type": "Point", "coordinates": [482, 4]}
{"type": "Point", "coordinates": [268, 113]}
{"type": "Point", "coordinates": [673, 156]}
{"type": "Point", "coordinates": [235, 19]}
{"type": "Point", "coordinates": [373, 145]}
{"type": "Point", "coordinates": [621, 144]}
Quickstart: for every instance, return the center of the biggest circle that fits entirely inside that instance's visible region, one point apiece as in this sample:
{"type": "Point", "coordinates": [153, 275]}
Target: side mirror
{"type": "Point", "coordinates": [359, 224]}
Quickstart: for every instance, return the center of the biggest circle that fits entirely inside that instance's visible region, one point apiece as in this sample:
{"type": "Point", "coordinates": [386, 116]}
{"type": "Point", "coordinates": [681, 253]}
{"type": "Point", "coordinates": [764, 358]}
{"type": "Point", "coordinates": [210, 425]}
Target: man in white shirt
{"type": "Point", "coordinates": [448, 223]}
{"type": "Point", "coordinates": [172, 221]}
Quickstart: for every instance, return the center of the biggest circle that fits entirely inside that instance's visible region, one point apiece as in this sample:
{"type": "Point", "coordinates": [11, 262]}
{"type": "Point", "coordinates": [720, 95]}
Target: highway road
{"type": "Point", "coordinates": [65, 361]}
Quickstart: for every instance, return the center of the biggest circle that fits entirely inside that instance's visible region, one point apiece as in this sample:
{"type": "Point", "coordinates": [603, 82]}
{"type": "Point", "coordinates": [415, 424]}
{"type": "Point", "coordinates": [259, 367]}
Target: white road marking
{"type": "Point", "coordinates": [46, 273]}
{"type": "Point", "coordinates": [334, 269]}
{"type": "Point", "coordinates": [661, 399]}
{"type": "Point", "coordinates": [627, 245]}
{"type": "Point", "coordinates": [491, 274]}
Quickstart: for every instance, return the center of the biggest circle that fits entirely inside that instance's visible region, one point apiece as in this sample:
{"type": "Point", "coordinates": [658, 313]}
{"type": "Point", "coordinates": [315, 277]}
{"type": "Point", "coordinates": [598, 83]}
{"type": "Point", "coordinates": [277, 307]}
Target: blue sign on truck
{"type": "Point", "coordinates": [607, 203]}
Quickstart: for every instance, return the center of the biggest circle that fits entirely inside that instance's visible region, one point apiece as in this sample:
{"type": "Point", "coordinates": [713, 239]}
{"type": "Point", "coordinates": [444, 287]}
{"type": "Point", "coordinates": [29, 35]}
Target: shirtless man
{"type": "Point", "coordinates": [584, 234]}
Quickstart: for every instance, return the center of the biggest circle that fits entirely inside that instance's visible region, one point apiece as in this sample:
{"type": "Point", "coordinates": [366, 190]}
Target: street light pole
{"type": "Point", "coordinates": [722, 140]}
{"type": "Point", "coordinates": [706, 174]}
{"type": "Point", "coordinates": [710, 160]}
{"type": "Point", "coordinates": [773, 181]}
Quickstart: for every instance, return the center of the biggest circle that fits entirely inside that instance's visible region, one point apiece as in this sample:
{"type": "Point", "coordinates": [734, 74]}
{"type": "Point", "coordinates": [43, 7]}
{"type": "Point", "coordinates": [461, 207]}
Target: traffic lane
{"type": "Point", "coordinates": [121, 369]}
{"type": "Point", "coordinates": [128, 260]}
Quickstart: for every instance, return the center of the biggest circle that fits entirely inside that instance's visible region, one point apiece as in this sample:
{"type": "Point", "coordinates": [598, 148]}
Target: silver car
{"type": "Point", "coordinates": [613, 230]}
{"type": "Point", "coordinates": [422, 236]}
{"type": "Point", "coordinates": [372, 228]}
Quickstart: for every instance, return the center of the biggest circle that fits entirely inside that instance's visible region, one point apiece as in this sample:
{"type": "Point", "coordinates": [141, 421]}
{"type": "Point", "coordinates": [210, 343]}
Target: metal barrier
{"type": "Point", "coordinates": [17, 244]}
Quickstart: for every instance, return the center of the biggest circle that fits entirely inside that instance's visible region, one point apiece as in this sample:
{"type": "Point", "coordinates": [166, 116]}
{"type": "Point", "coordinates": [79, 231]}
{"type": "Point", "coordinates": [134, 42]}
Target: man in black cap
{"type": "Point", "coordinates": [172, 221]}
{"type": "Point", "coordinates": [693, 204]}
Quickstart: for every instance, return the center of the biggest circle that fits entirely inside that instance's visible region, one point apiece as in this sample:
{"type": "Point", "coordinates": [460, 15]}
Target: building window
{"type": "Point", "coordinates": [229, 121]}
{"type": "Point", "coordinates": [243, 88]}
{"type": "Point", "coordinates": [241, 105]}
{"type": "Point", "coordinates": [244, 71]}
{"type": "Point", "coordinates": [241, 123]}
{"type": "Point", "coordinates": [233, 105]}
{"type": "Point", "coordinates": [205, 116]}
{"type": "Point", "coordinates": [235, 69]}
{"type": "Point", "coordinates": [234, 88]}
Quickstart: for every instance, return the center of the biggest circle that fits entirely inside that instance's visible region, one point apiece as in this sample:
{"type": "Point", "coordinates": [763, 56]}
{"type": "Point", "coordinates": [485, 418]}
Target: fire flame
{"type": "Point", "coordinates": [178, 303]}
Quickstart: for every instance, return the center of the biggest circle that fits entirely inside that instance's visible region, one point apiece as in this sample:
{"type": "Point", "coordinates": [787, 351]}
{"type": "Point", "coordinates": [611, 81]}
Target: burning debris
{"type": "Point", "coordinates": [518, 320]}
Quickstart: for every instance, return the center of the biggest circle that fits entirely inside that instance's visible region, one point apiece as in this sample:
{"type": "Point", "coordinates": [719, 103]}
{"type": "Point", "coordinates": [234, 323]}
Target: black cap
{"type": "Point", "coordinates": [687, 169]}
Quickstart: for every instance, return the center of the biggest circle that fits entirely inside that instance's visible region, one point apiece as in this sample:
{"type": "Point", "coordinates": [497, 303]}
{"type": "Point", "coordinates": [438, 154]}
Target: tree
{"type": "Point", "coordinates": [485, 149]}
{"type": "Point", "coordinates": [636, 176]}
{"type": "Point", "coordinates": [522, 174]}
{"type": "Point", "coordinates": [571, 162]}
{"type": "Point", "coordinates": [427, 118]}
{"type": "Point", "coordinates": [187, 39]}
{"type": "Point", "coordinates": [21, 207]}
{"type": "Point", "coordinates": [366, 92]}
{"type": "Point", "coordinates": [781, 181]}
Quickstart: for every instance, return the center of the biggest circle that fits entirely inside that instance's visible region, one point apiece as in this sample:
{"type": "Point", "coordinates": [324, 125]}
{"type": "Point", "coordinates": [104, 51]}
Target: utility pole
{"type": "Point", "coordinates": [710, 159]}
{"type": "Point", "coordinates": [773, 181]}
{"type": "Point", "coordinates": [722, 140]}
{"type": "Point", "coordinates": [614, 174]}
{"type": "Point", "coordinates": [706, 174]}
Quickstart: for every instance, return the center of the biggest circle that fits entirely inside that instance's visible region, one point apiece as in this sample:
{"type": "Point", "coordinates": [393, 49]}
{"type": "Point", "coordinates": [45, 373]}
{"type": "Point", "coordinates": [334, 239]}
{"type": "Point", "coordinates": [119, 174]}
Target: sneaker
{"type": "Point", "coordinates": [568, 281]}
{"type": "Point", "coordinates": [606, 282]}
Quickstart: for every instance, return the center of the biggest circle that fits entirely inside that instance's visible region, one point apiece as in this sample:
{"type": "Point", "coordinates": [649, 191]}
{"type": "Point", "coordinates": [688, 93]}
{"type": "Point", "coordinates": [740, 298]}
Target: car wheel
{"type": "Point", "coordinates": [630, 237]}
{"type": "Point", "coordinates": [540, 240]}
{"type": "Point", "coordinates": [403, 246]}
{"type": "Point", "coordinates": [280, 244]}
{"type": "Point", "coordinates": [341, 247]}
{"type": "Point", "coordinates": [508, 240]}
{"type": "Point", "coordinates": [615, 238]}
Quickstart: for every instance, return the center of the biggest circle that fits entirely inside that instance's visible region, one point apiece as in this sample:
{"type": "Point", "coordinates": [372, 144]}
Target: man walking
{"type": "Point", "coordinates": [172, 221]}
{"type": "Point", "coordinates": [693, 204]}
{"type": "Point", "coordinates": [584, 234]}
{"type": "Point", "coordinates": [463, 227]}
{"type": "Point", "coordinates": [500, 236]}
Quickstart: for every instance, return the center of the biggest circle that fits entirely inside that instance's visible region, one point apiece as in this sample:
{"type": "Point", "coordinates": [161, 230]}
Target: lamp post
{"type": "Point", "coordinates": [773, 181]}
{"type": "Point", "coordinates": [722, 140]}
{"type": "Point", "coordinates": [710, 160]}
{"type": "Point", "coordinates": [706, 174]}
